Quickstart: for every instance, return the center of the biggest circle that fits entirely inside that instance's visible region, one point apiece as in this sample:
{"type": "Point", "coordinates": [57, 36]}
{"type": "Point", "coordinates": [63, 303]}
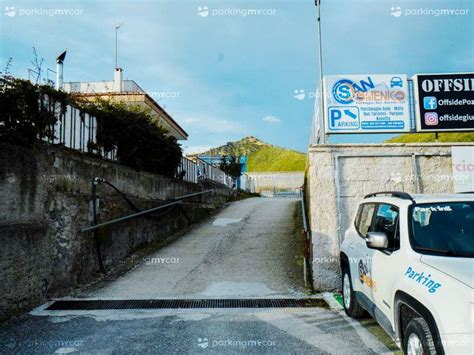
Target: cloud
{"type": "Point", "coordinates": [196, 149]}
{"type": "Point", "coordinates": [207, 124]}
{"type": "Point", "coordinates": [271, 119]}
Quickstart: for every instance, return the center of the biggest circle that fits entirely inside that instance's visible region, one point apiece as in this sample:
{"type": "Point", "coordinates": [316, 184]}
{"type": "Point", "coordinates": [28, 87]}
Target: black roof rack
{"type": "Point", "coordinates": [398, 194]}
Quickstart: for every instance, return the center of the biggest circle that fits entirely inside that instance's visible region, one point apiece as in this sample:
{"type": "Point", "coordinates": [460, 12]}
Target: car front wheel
{"type": "Point", "coordinates": [351, 306]}
{"type": "Point", "coordinates": [418, 339]}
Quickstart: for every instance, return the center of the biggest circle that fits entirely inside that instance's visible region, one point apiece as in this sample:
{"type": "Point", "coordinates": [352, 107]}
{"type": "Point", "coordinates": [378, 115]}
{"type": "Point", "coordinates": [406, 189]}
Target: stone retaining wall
{"type": "Point", "coordinates": [45, 196]}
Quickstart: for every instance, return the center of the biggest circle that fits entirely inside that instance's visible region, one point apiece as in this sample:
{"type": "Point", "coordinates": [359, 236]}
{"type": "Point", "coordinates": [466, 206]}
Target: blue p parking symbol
{"type": "Point", "coordinates": [344, 118]}
{"type": "Point", "coordinates": [335, 116]}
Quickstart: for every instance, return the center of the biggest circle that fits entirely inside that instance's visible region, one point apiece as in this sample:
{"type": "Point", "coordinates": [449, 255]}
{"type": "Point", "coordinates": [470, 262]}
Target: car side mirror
{"type": "Point", "coordinates": [376, 240]}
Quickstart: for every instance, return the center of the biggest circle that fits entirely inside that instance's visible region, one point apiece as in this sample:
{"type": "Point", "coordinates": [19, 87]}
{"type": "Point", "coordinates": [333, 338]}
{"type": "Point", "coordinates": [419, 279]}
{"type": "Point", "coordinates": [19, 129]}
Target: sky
{"type": "Point", "coordinates": [224, 72]}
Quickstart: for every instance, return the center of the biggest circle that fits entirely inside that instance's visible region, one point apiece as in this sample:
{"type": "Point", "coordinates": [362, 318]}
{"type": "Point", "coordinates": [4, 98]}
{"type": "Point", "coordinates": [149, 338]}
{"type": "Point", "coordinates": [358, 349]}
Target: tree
{"type": "Point", "coordinates": [230, 164]}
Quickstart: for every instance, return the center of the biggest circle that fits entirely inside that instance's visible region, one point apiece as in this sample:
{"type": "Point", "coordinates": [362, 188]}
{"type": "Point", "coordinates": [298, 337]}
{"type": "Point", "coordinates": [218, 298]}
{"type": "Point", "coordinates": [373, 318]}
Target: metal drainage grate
{"type": "Point", "coordinates": [79, 305]}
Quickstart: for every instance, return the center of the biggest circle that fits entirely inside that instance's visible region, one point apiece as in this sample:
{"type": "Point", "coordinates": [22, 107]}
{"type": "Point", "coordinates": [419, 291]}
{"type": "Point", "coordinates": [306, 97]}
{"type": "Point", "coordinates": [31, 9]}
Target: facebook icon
{"type": "Point", "coordinates": [429, 103]}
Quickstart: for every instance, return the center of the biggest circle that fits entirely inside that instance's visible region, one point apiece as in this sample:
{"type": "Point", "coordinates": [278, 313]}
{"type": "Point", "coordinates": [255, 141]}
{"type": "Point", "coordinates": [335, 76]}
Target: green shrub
{"type": "Point", "coordinates": [25, 112]}
{"type": "Point", "coordinates": [26, 115]}
{"type": "Point", "coordinates": [140, 142]}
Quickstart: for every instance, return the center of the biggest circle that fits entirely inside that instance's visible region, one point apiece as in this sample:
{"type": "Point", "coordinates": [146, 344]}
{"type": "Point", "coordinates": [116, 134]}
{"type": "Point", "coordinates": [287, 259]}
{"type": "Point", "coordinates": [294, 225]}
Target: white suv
{"type": "Point", "coordinates": [408, 260]}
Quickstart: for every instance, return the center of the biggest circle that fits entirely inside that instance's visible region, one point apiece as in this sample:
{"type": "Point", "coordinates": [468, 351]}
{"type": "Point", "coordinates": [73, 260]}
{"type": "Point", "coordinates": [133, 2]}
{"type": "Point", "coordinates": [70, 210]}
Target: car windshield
{"type": "Point", "coordinates": [443, 228]}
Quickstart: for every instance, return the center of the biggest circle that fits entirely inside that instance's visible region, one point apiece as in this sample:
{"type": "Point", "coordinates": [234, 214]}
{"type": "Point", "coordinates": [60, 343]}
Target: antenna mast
{"type": "Point", "coordinates": [116, 44]}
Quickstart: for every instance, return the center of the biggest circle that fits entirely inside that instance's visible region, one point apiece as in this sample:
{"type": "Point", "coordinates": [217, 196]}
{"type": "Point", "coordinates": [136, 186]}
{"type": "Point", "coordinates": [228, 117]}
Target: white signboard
{"type": "Point", "coordinates": [366, 103]}
{"type": "Point", "coordinates": [463, 169]}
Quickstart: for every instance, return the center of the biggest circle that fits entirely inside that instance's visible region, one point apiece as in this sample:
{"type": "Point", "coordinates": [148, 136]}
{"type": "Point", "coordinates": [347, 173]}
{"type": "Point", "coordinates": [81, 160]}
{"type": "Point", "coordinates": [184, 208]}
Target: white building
{"type": "Point", "coordinates": [129, 92]}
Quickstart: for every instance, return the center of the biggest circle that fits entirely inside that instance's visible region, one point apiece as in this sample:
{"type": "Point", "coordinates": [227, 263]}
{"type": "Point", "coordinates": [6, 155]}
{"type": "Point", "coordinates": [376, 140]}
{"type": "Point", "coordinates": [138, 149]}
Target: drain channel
{"type": "Point", "coordinates": [79, 305]}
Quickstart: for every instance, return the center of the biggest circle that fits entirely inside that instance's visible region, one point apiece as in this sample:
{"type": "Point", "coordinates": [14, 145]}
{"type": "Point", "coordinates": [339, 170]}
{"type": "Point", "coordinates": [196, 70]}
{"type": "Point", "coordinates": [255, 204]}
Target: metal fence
{"type": "Point", "coordinates": [188, 170]}
{"type": "Point", "coordinates": [211, 172]}
{"type": "Point", "coordinates": [77, 130]}
{"type": "Point", "coordinates": [195, 171]}
{"type": "Point", "coordinates": [74, 129]}
{"type": "Point", "coordinates": [247, 183]}
{"type": "Point", "coordinates": [277, 181]}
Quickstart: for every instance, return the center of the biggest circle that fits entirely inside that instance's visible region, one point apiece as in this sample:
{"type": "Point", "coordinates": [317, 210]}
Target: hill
{"type": "Point", "coordinates": [430, 137]}
{"type": "Point", "coordinates": [261, 156]}
{"type": "Point", "coordinates": [276, 159]}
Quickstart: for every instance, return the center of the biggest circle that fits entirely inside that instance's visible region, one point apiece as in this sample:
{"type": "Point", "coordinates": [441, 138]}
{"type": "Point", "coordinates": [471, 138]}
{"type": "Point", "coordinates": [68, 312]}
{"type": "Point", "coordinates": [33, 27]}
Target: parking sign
{"type": "Point", "coordinates": [344, 118]}
{"type": "Point", "coordinates": [366, 103]}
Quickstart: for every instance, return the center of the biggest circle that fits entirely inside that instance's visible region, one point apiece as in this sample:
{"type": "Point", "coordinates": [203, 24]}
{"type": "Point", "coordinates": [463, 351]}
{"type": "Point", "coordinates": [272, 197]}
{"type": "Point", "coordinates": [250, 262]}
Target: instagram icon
{"type": "Point", "coordinates": [431, 119]}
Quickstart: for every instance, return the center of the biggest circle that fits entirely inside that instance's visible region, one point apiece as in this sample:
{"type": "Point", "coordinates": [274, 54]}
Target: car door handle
{"type": "Point", "coordinates": [351, 246]}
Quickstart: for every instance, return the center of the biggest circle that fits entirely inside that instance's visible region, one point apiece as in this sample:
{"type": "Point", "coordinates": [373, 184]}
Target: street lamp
{"type": "Point", "coordinates": [320, 52]}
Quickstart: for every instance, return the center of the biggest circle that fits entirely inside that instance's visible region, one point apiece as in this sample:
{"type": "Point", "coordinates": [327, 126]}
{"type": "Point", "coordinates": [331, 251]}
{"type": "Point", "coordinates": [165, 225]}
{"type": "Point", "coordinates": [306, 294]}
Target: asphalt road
{"type": "Point", "coordinates": [250, 249]}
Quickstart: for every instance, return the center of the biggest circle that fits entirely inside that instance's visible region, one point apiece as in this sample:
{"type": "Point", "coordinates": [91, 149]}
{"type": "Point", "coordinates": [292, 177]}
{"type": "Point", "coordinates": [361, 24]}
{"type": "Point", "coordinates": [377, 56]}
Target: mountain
{"type": "Point", "coordinates": [430, 137]}
{"type": "Point", "coordinates": [261, 156]}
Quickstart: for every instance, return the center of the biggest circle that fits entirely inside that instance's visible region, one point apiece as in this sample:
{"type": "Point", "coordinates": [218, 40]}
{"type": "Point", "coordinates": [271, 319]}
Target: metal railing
{"type": "Point", "coordinates": [176, 201]}
{"type": "Point", "coordinates": [188, 170]}
{"type": "Point", "coordinates": [308, 250]}
{"type": "Point", "coordinates": [195, 171]}
{"type": "Point", "coordinates": [211, 172]}
{"type": "Point", "coordinates": [77, 130]}
{"type": "Point", "coordinates": [74, 129]}
{"type": "Point", "coordinates": [133, 215]}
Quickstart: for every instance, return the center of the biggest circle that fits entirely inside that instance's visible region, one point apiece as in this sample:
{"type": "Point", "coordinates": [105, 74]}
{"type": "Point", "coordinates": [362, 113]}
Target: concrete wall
{"type": "Point", "coordinates": [45, 196]}
{"type": "Point", "coordinates": [270, 181]}
{"type": "Point", "coordinates": [340, 176]}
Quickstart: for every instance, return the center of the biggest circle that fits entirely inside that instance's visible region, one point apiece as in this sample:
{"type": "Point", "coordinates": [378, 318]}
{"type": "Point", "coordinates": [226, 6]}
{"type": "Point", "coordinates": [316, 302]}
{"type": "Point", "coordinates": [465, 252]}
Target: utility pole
{"type": "Point", "coordinates": [320, 52]}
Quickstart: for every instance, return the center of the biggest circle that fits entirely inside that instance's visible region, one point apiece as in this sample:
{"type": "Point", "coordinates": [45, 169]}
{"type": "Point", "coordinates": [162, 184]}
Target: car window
{"type": "Point", "coordinates": [386, 221]}
{"type": "Point", "coordinates": [443, 228]}
{"type": "Point", "coordinates": [365, 218]}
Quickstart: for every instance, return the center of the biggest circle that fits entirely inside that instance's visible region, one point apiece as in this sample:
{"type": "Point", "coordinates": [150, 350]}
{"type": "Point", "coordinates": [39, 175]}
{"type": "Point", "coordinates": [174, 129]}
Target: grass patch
{"type": "Point", "coordinates": [271, 158]}
{"type": "Point", "coordinates": [430, 137]}
{"type": "Point", "coordinates": [372, 326]}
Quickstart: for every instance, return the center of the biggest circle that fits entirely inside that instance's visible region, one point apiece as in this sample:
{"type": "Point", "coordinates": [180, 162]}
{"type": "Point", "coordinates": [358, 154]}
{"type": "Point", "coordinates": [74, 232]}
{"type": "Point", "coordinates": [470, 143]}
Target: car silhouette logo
{"type": "Point", "coordinates": [396, 81]}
